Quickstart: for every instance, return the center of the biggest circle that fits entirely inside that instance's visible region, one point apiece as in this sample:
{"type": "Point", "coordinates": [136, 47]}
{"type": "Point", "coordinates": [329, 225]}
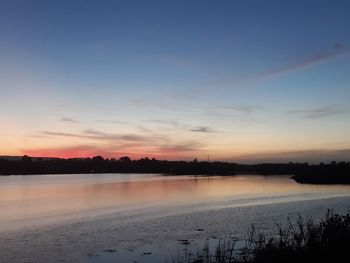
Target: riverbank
{"type": "Point", "coordinates": [300, 240]}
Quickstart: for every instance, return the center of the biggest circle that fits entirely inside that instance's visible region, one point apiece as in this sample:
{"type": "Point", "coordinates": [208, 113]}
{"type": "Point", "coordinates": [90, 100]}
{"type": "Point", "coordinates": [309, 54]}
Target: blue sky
{"type": "Point", "coordinates": [239, 80]}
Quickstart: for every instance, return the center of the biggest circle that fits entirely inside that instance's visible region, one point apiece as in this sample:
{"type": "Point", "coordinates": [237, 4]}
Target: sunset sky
{"type": "Point", "coordinates": [245, 81]}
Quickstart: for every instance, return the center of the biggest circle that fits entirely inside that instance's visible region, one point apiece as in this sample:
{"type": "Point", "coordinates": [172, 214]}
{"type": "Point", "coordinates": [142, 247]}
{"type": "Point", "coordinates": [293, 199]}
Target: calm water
{"type": "Point", "coordinates": [78, 217]}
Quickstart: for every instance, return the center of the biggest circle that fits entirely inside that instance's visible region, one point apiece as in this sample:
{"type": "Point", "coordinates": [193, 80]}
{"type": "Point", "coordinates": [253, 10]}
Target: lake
{"type": "Point", "coordinates": [127, 217]}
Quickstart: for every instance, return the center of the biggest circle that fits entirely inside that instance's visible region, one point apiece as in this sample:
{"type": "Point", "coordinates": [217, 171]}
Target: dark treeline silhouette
{"type": "Point", "coordinates": [302, 172]}
{"type": "Point", "coordinates": [333, 173]}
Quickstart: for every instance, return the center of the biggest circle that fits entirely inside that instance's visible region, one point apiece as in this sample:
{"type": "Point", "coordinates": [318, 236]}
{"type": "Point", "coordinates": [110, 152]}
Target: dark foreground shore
{"type": "Point", "coordinates": [301, 240]}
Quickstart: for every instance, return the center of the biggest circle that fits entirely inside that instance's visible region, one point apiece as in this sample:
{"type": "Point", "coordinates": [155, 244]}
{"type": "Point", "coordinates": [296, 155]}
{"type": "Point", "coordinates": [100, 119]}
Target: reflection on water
{"type": "Point", "coordinates": [31, 200]}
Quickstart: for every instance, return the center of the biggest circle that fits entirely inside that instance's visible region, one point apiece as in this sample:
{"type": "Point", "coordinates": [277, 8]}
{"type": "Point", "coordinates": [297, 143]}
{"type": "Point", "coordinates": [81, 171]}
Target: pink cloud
{"type": "Point", "coordinates": [69, 152]}
{"type": "Point", "coordinates": [133, 150]}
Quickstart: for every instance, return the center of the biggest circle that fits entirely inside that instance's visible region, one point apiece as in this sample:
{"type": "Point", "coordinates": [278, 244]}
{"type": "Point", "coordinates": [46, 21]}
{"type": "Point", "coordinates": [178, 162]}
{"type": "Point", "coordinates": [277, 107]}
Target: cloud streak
{"type": "Point", "coordinates": [70, 120]}
{"type": "Point", "coordinates": [321, 57]}
{"type": "Point", "coordinates": [136, 150]}
{"type": "Point", "coordinates": [190, 146]}
{"type": "Point", "coordinates": [177, 126]}
{"type": "Point", "coordinates": [97, 135]}
{"type": "Point", "coordinates": [118, 137]}
{"type": "Point", "coordinates": [141, 128]}
{"type": "Point", "coordinates": [317, 113]}
{"type": "Point", "coordinates": [201, 129]}
{"type": "Point", "coordinates": [247, 109]}
{"type": "Point", "coordinates": [112, 121]}
{"type": "Point", "coordinates": [113, 145]}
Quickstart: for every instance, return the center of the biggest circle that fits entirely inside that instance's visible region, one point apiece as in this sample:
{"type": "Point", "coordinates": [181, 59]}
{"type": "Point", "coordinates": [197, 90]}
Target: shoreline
{"type": "Point", "coordinates": [331, 173]}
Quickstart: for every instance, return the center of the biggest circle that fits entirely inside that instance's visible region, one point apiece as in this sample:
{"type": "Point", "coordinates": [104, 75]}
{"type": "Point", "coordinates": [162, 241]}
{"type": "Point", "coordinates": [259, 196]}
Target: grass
{"type": "Point", "coordinates": [301, 240]}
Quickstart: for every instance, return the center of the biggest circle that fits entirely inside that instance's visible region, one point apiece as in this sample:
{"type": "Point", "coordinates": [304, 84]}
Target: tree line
{"type": "Point", "coordinates": [334, 172]}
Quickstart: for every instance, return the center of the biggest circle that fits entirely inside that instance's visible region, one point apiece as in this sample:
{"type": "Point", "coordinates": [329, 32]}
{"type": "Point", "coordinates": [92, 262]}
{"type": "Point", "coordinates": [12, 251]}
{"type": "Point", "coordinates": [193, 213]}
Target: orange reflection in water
{"type": "Point", "coordinates": [35, 198]}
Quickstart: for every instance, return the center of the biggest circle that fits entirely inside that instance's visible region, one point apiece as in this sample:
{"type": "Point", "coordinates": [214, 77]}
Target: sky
{"type": "Point", "coordinates": [242, 81]}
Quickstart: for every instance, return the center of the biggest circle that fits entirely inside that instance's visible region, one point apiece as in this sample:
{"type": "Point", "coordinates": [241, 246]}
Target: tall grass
{"type": "Point", "coordinates": [301, 240]}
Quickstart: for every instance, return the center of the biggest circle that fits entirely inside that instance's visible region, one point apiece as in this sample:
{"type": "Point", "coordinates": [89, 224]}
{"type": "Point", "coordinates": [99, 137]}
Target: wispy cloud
{"type": "Point", "coordinates": [117, 137]}
{"type": "Point", "coordinates": [337, 51]}
{"type": "Point", "coordinates": [317, 113]}
{"type": "Point", "coordinates": [134, 150]}
{"type": "Point", "coordinates": [176, 125]}
{"type": "Point", "coordinates": [90, 142]}
{"type": "Point", "coordinates": [70, 120]}
{"type": "Point", "coordinates": [63, 134]}
{"type": "Point", "coordinates": [246, 109]}
{"type": "Point", "coordinates": [70, 151]}
{"type": "Point", "coordinates": [142, 103]}
{"type": "Point", "coordinates": [166, 122]}
{"type": "Point", "coordinates": [112, 121]}
{"type": "Point", "coordinates": [139, 127]}
{"type": "Point", "coordinates": [166, 105]}
{"type": "Point", "coordinates": [203, 129]}
{"type": "Point", "coordinates": [189, 146]}
{"type": "Point", "coordinates": [97, 135]}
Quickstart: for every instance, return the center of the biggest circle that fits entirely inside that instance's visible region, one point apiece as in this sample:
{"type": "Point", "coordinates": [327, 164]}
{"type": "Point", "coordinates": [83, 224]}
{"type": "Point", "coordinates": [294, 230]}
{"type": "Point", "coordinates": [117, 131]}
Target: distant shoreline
{"type": "Point", "coordinates": [331, 173]}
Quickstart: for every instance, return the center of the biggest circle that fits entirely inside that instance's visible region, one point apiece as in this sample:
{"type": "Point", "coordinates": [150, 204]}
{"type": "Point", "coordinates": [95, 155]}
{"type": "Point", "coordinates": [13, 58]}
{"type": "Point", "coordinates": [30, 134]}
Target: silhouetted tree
{"type": "Point", "coordinates": [125, 159]}
{"type": "Point", "coordinates": [26, 159]}
{"type": "Point", "coordinates": [98, 158]}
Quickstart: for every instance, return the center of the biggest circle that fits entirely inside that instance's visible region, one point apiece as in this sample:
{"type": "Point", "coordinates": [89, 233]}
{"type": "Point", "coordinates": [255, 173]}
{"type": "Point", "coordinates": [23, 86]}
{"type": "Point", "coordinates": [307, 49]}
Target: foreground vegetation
{"type": "Point", "coordinates": [332, 173]}
{"type": "Point", "coordinates": [300, 241]}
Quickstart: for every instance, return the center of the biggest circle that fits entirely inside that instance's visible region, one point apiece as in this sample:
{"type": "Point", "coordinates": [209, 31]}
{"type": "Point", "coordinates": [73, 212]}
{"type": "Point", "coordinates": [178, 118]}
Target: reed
{"type": "Point", "coordinates": [300, 240]}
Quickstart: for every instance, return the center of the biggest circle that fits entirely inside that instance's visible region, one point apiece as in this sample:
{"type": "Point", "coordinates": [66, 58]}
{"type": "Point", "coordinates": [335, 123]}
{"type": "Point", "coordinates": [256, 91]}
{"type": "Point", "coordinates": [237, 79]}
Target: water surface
{"type": "Point", "coordinates": [77, 217]}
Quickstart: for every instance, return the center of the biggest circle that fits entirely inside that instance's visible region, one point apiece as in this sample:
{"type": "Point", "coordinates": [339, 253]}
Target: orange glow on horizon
{"type": "Point", "coordinates": [88, 153]}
